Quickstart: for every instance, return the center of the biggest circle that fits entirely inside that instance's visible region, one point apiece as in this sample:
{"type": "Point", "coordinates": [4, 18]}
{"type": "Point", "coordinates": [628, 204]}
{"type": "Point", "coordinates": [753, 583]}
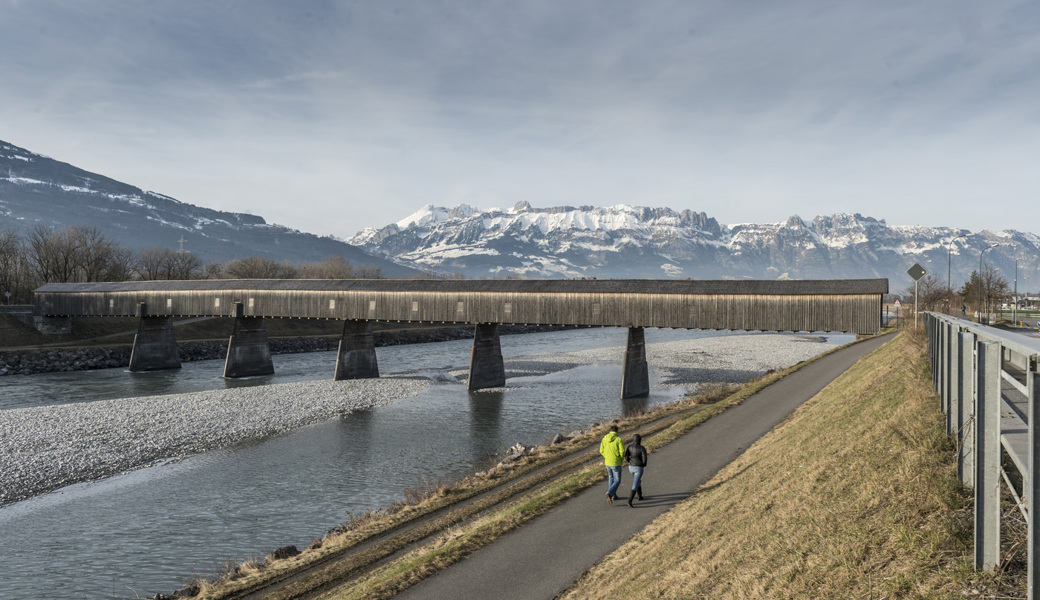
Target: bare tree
{"type": "Point", "coordinates": [333, 267]}
{"type": "Point", "coordinates": [14, 271]}
{"type": "Point", "coordinates": [185, 265]}
{"type": "Point", "coordinates": [122, 264]}
{"type": "Point", "coordinates": [53, 255]}
{"type": "Point", "coordinates": [931, 294]}
{"type": "Point", "coordinates": [152, 263]}
{"type": "Point", "coordinates": [258, 267]}
{"type": "Point", "coordinates": [212, 270]}
{"type": "Point", "coordinates": [164, 264]}
{"type": "Point", "coordinates": [95, 252]}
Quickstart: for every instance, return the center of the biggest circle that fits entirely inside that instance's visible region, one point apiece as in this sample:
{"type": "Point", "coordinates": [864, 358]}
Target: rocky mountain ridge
{"type": "Point", "coordinates": [641, 242]}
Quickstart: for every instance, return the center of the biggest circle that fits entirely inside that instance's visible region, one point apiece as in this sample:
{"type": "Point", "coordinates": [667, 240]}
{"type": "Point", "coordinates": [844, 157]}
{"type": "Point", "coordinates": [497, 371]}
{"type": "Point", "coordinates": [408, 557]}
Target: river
{"type": "Point", "coordinates": [152, 529]}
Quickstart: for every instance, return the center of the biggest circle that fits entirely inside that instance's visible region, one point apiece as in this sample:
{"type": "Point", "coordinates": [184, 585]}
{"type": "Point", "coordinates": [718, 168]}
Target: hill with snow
{"type": "Point", "coordinates": [37, 189]}
{"type": "Point", "coordinates": [640, 242]}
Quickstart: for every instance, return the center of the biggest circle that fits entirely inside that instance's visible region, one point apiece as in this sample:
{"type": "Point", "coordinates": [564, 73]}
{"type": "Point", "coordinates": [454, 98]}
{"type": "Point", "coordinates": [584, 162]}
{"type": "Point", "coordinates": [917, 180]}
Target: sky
{"type": "Point", "coordinates": [329, 117]}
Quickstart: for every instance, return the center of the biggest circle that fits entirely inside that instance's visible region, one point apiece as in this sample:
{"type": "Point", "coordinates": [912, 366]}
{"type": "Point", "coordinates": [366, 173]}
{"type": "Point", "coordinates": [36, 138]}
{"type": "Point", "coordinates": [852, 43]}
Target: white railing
{"type": "Point", "coordinates": [989, 390]}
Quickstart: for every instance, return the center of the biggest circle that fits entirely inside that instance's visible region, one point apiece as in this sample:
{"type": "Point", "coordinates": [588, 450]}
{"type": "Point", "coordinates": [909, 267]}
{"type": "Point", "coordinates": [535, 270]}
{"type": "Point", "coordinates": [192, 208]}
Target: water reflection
{"type": "Point", "coordinates": [485, 414]}
{"type": "Point", "coordinates": [635, 406]}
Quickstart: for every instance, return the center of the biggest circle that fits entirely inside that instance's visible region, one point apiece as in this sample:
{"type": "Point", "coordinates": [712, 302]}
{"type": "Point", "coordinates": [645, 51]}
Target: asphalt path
{"type": "Point", "coordinates": [542, 558]}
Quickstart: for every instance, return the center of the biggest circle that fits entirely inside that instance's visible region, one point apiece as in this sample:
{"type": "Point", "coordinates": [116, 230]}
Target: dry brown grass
{"type": "Point", "coordinates": [512, 508]}
{"type": "Point", "coordinates": [854, 496]}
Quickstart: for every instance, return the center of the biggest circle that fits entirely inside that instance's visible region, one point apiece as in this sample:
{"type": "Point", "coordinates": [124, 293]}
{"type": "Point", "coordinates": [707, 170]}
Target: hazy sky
{"type": "Point", "coordinates": [332, 116]}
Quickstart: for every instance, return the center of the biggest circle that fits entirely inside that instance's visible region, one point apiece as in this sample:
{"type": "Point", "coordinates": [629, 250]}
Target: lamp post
{"type": "Point", "coordinates": [949, 261]}
{"type": "Point", "coordinates": [1014, 315]}
{"type": "Point", "coordinates": [978, 299]}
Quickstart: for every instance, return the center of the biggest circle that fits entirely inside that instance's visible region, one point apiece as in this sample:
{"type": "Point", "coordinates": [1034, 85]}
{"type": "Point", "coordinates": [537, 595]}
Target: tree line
{"type": "Point", "coordinates": [83, 254]}
{"type": "Point", "coordinates": [981, 293]}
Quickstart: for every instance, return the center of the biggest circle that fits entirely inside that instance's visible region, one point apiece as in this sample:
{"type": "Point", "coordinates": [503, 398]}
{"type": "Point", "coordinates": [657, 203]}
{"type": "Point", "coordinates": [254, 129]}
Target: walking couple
{"type": "Point", "coordinates": [614, 455]}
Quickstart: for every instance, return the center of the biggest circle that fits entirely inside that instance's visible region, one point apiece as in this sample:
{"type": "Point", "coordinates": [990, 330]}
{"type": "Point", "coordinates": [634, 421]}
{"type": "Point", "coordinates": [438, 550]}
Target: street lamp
{"type": "Point", "coordinates": [978, 294]}
{"type": "Point", "coordinates": [1014, 315]}
{"type": "Point", "coordinates": [949, 261]}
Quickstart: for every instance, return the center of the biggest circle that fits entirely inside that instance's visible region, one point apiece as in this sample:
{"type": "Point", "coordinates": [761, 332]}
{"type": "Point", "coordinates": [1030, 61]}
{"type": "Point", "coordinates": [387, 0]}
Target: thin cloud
{"type": "Point", "coordinates": [362, 112]}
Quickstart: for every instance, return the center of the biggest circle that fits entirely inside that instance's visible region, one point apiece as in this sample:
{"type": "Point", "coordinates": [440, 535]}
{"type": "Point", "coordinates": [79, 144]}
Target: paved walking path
{"type": "Point", "coordinates": [542, 558]}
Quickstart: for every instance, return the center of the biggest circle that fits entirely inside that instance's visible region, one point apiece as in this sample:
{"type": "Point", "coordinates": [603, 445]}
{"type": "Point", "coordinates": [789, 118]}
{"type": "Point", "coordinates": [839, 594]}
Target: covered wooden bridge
{"type": "Point", "coordinates": [850, 306]}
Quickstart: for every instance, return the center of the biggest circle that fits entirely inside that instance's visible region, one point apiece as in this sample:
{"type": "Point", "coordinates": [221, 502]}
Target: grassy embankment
{"type": "Point", "coordinates": [854, 496]}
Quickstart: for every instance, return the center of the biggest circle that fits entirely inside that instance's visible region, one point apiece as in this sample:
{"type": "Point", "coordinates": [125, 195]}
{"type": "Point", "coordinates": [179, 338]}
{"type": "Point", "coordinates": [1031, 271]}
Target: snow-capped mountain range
{"type": "Point", "coordinates": [639, 242]}
{"type": "Point", "coordinates": [37, 189]}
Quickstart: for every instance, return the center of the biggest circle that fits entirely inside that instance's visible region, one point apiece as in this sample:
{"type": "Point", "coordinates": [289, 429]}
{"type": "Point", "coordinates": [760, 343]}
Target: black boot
{"type": "Point", "coordinates": [633, 495]}
{"type": "Point", "coordinates": [639, 492]}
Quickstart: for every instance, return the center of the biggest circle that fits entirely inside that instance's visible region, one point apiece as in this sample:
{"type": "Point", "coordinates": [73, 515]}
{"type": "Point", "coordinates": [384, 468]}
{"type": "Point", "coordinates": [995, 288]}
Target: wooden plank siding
{"type": "Point", "coordinates": [812, 305]}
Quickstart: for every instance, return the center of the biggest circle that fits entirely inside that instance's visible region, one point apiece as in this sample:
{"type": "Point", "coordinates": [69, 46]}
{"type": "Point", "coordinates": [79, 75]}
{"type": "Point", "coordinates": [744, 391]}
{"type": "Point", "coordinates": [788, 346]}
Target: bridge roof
{"type": "Point", "coordinates": [518, 286]}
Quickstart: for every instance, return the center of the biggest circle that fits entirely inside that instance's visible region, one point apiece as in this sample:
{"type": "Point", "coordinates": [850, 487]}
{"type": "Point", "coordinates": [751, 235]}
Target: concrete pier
{"type": "Point", "coordinates": [248, 353]}
{"type": "Point", "coordinates": [486, 367]}
{"type": "Point", "coordinates": [155, 347]}
{"type": "Point", "coordinates": [356, 358]}
{"type": "Point", "coordinates": [635, 377]}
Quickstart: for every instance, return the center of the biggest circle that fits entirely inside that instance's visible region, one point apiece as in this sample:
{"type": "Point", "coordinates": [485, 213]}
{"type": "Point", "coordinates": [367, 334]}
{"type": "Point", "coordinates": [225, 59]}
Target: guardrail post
{"type": "Point", "coordinates": [1032, 492]}
{"type": "Point", "coordinates": [987, 458]}
{"type": "Point", "coordinates": [965, 366]}
{"type": "Point", "coordinates": [968, 429]}
{"type": "Point", "coordinates": [953, 415]}
{"type": "Point", "coordinates": [944, 369]}
{"type": "Point", "coordinates": [933, 347]}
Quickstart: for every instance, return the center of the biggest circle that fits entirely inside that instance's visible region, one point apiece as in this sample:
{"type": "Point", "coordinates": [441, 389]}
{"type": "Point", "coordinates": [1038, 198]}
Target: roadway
{"type": "Point", "coordinates": [541, 559]}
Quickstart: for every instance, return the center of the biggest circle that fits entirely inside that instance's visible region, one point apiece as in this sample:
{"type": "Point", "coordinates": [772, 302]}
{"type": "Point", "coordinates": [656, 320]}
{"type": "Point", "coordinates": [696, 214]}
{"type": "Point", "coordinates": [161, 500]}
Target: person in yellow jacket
{"type": "Point", "coordinates": [613, 451]}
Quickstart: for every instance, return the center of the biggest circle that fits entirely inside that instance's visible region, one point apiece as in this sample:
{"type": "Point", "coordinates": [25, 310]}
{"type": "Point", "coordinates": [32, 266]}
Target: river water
{"type": "Point", "coordinates": [153, 529]}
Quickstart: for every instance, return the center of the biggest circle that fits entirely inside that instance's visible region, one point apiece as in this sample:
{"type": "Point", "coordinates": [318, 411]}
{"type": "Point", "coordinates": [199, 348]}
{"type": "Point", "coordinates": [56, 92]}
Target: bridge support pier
{"type": "Point", "coordinates": [356, 358]}
{"type": "Point", "coordinates": [486, 367]}
{"type": "Point", "coordinates": [635, 378]}
{"type": "Point", "coordinates": [155, 347]}
{"type": "Point", "coordinates": [248, 353]}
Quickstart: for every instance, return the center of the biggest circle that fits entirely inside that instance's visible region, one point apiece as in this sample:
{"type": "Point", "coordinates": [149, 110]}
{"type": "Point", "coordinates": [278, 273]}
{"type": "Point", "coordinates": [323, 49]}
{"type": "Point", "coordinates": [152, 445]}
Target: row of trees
{"type": "Point", "coordinates": [981, 293]}
{"type": "Point", "coordinates": [84, 254]}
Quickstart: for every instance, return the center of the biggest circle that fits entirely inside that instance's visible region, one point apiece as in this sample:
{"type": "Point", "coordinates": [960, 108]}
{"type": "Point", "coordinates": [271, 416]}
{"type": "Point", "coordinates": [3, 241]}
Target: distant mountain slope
{"type": "Point", "coordinates": [625, 241]}
{"type": "Point", "coordinates": [35, 188]}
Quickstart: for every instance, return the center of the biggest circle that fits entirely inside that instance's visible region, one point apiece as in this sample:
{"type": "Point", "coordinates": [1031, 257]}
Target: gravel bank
{"type": "Point", "coordinates": [45, 448]}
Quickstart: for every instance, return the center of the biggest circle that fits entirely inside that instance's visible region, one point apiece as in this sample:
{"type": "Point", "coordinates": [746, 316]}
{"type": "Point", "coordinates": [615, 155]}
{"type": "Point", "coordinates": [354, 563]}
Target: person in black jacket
{"type": "Point", "coordinates": [635, 454]}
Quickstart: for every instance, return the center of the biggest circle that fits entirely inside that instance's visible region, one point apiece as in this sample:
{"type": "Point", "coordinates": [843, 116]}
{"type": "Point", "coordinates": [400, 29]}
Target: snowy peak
{"type": "Point", "coordinates": [654, 242]}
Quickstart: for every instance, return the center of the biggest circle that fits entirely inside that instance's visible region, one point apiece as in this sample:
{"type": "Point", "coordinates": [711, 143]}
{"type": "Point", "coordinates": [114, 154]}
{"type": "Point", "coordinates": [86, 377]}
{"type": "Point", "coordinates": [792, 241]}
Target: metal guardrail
{"type": "Point", "coordinates": [989, 390]}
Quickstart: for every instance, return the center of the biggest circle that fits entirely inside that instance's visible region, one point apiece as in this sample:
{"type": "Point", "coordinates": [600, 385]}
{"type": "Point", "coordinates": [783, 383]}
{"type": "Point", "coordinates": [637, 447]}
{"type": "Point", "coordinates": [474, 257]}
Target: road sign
{"type": "Point", "coordinates": [916, 272]}
{"type": "Point", "coordinates": [897, 303]}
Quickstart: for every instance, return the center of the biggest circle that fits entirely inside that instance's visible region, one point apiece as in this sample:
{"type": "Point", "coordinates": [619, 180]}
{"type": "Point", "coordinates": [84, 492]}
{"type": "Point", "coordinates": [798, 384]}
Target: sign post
{"type": "Point", "coordinates": [916, 272]}
{"type": "Point", "coordinates": [8, 296]}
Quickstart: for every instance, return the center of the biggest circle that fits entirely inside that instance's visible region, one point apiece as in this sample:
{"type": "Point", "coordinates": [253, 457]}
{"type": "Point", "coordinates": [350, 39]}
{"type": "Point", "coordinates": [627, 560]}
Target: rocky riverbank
{"type": "Point", "coordinates": [29, 362]}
